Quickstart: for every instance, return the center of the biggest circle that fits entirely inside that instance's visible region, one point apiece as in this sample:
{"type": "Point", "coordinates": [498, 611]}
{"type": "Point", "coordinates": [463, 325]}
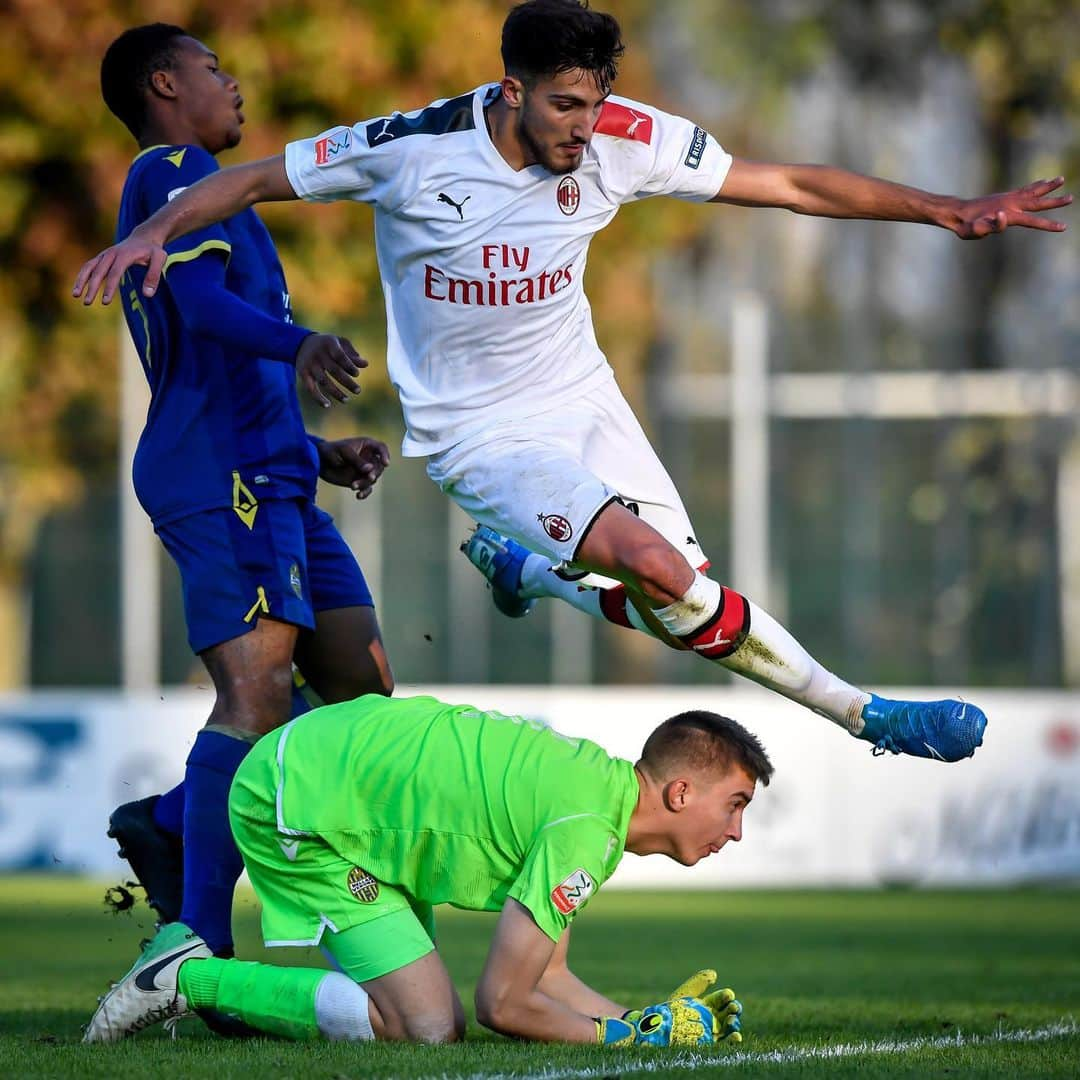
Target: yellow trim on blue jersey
{"type": "Point", "coordinates": [142, 153]}
{"type": "Point", "coordinates": [195, 252]}
{"type": "Point", "coordinates": [136, 306]}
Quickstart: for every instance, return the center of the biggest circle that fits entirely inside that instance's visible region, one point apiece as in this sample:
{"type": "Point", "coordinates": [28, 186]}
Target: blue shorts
{"type": "Point", "coordinates": [286, 560]}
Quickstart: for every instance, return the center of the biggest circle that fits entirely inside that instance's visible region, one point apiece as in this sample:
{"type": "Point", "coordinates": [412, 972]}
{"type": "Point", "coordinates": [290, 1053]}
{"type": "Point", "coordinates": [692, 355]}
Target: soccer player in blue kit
{"type": "Point", "coordinates": [228, 474]}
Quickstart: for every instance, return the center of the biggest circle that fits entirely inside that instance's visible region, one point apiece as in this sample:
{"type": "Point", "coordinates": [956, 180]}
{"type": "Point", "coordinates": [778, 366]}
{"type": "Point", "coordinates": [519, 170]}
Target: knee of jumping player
{"type": "Point", "coordinates": [659, 570]}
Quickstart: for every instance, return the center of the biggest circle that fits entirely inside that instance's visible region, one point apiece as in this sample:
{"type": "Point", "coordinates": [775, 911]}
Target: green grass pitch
{"type": "Point", "coordinates": [899, 984]}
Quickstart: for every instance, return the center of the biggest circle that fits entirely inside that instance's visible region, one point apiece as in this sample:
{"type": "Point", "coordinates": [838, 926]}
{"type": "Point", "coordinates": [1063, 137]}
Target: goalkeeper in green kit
{"type": "Point", "coordinates": [356, 819]}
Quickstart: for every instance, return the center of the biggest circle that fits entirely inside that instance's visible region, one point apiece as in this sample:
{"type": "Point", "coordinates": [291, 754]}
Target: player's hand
{"type": "Point", "coordinates": [976, 218]}
{"type": "Point", "coordinates": [325, 363]}
{"type": "Point", "coordinates": [723, 1004]}
{"type": "Point", "coordinates": [353, 463]}
{"type": "Point", "coordinates": [725, 1008]}
{"type": "Point", "coordinates": [682, 1021]}
{"type": "Point", "coordinates": [110, 265]}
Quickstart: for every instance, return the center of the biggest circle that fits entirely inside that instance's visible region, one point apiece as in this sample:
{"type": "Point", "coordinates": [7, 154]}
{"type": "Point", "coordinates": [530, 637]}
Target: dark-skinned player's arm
{"type": "Point", "coordinates": [824, 191]}
{"type": "Point", "coordinates": [527, 991]}
{"type": "Point", "coordinates": [212, 199]}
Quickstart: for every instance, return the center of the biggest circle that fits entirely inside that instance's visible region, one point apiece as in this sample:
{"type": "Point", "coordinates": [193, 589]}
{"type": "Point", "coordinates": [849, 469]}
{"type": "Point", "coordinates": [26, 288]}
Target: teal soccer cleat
{"type": "Point", "coordinates": [147, 994]}
{"type": "Point", "coordinates": [500, 560]}
{"type": "Point", "coordinates": [945, 730]}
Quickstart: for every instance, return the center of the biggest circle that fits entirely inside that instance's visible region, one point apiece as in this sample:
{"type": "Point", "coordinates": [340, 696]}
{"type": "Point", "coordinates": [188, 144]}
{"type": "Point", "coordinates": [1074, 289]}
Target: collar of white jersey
{"type": "Point", "coordinates": [530, 174]}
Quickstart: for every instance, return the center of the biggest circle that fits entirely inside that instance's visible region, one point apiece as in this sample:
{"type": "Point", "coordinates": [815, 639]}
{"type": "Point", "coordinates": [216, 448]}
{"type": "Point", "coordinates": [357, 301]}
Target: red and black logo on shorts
{"type": "Point", "coordinates": [556, 526]}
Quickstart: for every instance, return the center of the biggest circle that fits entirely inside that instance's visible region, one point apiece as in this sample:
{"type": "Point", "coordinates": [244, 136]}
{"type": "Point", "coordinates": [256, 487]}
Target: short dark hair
{"type": "Point", "coordinates": [547, 37]}
{"type": "Point", "coordinates": [705, 741]}
{"type": "Point", "coordinates": [128, 65]}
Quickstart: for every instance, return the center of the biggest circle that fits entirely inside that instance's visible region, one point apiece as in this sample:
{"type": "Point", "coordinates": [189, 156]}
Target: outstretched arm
{"type": "Point", "coordinates": [516, 994]}
{"type": "Point", "coordinates": [212, 199]}
{"type": "Point", "coordinates": [823, 191]}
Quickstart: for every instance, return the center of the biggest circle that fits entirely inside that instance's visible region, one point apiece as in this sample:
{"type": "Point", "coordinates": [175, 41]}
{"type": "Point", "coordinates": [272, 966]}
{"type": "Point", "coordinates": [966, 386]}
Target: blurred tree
{"type": "Point", "coordinates": [63, 158]}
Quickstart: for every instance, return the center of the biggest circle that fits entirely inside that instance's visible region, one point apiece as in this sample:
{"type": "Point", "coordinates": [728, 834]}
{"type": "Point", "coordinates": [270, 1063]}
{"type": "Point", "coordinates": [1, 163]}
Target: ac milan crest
{"type": "Point", "coordinates": [568, 195]}
{"type": "Point", "coordinates": [556, 526]}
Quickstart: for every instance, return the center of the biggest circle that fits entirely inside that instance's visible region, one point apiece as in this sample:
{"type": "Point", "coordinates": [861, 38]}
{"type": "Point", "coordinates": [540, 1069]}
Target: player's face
{"type": "Point", "coordinates": [712, 815]}
{"type": "Point", "coordinates": [557, 117]}
{"type": "Point", "coordinates": [210, 96]}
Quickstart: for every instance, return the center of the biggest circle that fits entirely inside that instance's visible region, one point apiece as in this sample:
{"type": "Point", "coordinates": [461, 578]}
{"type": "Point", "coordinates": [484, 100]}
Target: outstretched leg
{"type": "Point", "coordinates": [692, 611]}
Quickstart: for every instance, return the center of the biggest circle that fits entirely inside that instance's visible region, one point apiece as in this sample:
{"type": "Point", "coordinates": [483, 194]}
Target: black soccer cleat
{"type": "Point", "coordinates": [156, 857]}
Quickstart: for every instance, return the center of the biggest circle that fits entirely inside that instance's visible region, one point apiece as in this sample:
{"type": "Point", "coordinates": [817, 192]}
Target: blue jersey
{"type": "Point", "coordinates": [224, 428]}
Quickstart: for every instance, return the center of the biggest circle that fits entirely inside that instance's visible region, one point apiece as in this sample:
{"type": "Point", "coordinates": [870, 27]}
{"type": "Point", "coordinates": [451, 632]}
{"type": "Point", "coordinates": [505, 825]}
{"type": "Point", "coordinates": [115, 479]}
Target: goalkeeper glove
{"type": "Point", "coordinates": [685, 1019]}
{"type": "Point", "coordinates": [681, 1022]}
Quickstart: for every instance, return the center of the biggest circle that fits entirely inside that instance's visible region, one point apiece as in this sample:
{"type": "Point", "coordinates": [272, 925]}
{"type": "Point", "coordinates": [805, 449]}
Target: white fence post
{"type": "Point", "coordinates": [140, 574]}
{"type": "Point", "coordinates": [750, 448]}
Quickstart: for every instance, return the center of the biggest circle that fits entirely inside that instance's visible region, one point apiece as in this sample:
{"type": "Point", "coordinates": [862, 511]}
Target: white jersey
{"type": "Point", "coordinates": [482, 265]}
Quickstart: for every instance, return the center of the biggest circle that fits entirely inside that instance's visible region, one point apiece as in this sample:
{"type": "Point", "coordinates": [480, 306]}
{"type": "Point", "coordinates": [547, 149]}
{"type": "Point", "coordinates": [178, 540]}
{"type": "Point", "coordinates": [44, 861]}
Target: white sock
{"type": "Point", "coordinates": [538, 579]}
{"type": "Point", "coordinates": [694, 608]}
{"type": "Point", "coordinates": [772, 657]}
{"type": "Point", "coordinates": [341, 1010]}
{"type": "Point", "coordinates": [769, 655]}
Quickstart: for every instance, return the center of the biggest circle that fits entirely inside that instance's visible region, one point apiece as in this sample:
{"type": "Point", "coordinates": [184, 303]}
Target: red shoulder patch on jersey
{"type": "Point", "coordinates": [624, 123]}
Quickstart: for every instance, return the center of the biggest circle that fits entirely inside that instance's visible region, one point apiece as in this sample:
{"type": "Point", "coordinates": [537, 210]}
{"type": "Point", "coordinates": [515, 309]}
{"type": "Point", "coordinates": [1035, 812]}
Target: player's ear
{"type": "Point", "coordinates": [675, 795]}
{"type": "Point", "coordinates": [513, 91]}
{"type": "Point", "coordinates": [163, 84]}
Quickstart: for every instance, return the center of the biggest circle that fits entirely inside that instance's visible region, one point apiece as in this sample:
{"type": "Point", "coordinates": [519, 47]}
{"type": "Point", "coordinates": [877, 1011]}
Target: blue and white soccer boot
{"type": "Point", "coordinates": [945, 730]}
{"type": "Point", "coordinates": [500, 560]}
{"type": "Point", "coordinates": [148, 994]}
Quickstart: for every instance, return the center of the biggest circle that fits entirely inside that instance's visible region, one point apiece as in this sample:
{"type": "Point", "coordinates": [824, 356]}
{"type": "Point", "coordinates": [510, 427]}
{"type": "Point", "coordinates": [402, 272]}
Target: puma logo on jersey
{"type": "Point", "coordinates": [383, 133]}
{"type": "Point", "coordinates": [624, 123]}
{"type": "Point", "coordinates": [636, 123]}
{"type": "Point", "coordinates": [458, 206]}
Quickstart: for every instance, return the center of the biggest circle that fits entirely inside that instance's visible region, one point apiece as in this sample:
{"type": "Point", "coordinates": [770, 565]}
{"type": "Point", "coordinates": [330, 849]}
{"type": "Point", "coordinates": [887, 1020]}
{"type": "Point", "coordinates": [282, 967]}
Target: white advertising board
{"type": "Point", "coordinates": [834, 814]}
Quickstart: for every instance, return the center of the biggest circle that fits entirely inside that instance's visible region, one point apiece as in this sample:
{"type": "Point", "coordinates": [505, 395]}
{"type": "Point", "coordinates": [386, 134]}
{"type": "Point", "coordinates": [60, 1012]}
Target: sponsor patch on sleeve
{"type": "Point", "coordinates": [624, 122]}
{"type": "Point", "coordinates": [573, 892]}
{"type": "Point", "coordinates": [697, 149]}
{"type": "Point", "coordinates": [330, 147]}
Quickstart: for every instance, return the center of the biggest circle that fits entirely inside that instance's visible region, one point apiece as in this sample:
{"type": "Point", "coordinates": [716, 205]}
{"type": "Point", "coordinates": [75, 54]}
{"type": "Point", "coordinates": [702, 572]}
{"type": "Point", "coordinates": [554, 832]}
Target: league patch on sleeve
{"type": "Point", "coordinates": [329, 148]}
{"type": "Point", "coordinates": [573, 892]}
{"type": "Point", "coordinates": [697, 149]}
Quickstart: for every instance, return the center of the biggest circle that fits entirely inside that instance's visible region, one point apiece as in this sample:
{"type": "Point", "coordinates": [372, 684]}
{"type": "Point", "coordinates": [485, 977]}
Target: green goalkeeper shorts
{"type": "Point", "coordinates": [306, 889]}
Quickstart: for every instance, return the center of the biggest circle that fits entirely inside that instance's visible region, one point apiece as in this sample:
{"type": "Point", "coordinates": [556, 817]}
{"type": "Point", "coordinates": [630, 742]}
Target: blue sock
{"type": "Point", "coordinates": [169, 811]}
{"type": "Point", "coordinates": [212, 862]}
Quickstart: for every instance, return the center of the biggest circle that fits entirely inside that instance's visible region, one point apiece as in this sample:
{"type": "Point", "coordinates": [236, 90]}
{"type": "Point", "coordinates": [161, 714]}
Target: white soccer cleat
{"type": "Point", "coordinates": [147, 994]}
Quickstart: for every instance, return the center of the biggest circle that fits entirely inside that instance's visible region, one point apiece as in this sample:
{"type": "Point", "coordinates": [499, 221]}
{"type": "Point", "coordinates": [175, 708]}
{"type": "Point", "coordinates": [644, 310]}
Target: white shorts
{"type": "Point", "coordinates": [545, 479]}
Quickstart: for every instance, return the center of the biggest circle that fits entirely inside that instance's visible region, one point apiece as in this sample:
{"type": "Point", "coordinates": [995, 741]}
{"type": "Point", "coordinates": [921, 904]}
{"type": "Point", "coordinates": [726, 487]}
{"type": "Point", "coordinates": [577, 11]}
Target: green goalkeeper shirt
{"type": "Point", "coordinates": [451, 804]}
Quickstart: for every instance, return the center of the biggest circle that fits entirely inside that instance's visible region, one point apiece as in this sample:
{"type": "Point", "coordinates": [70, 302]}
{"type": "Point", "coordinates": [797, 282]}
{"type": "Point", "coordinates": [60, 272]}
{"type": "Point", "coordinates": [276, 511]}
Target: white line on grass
{"type": "Point", "coordinates": [691, 1061]}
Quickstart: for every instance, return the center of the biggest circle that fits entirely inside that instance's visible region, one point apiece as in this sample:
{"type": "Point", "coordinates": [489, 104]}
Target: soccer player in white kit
{"type": "Point", "coordinates": [485, 205]}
